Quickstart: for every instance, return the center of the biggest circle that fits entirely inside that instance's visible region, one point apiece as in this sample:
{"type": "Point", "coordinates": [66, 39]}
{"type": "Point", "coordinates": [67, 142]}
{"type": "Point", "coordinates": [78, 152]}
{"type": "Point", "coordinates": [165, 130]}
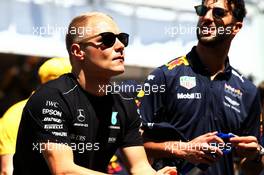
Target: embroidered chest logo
{"type": "Point", "coordinates": [114, 128]}
{"type": "Point", "coordinates": [80, 119]}
{"type": "Point", "coordinates": [187, 82]}
{"type": "Point", "coordinates": [232, 102]}
{"type": "Point", "coordinates": [233, 91]}
{"type": "Point", "coordinates": [113, 118]}
{"type": "Point", "coordinates": [81, 116]}
{"type": "Point", "coordinates": [151, 77]}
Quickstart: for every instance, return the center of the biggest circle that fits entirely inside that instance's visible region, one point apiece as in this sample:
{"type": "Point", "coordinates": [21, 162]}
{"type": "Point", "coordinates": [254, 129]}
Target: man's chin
{"type": "Point", "coordinates": [208, 41]}
{"type": "Point", "coordinates": [118, 71]}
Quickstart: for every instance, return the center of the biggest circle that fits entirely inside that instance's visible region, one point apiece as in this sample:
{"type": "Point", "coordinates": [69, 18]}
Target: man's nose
{"type": "Point", "coordinates": [209, 15]}
{"type": "Point", "coordinates": [119, 46]}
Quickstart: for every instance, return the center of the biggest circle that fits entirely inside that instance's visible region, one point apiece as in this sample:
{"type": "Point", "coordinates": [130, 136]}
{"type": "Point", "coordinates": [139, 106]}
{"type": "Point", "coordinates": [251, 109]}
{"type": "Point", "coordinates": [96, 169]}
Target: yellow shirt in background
{"type": "Point", "coordinates": [9, 124]}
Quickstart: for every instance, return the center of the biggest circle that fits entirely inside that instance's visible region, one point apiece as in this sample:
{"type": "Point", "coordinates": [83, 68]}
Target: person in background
{"type": "Point", "coordinates": [200, 98]}
{"type": "Point", "coordinates": [9, 123]}
{"type": "Point", "coordinates": [74, 124]}
{"type": "Point", "coordinates": [261, 92]}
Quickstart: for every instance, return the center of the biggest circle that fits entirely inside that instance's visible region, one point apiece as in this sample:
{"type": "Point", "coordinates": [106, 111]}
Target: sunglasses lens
{"type": "Point", "coordinates": [108, 39]}
{"type": "Point", "coordinates": [201, 10]}
{"type": "Point", "coordinates": [123, 37]}
{"type": "Point", "coordinates": [218, 12]}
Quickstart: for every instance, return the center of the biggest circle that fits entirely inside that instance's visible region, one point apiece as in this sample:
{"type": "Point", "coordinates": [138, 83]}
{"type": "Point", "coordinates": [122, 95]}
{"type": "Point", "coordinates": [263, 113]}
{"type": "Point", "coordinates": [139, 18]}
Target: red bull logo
{"type": "Point", "coordinates": [177, 62]}
{"type": "Point", "coordinates": [233, 91]}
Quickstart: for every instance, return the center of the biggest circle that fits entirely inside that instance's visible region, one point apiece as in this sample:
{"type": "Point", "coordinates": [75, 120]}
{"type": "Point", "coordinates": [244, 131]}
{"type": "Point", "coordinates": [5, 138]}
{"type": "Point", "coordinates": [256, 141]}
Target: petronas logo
{"type": "Point", "coordinates": [113, 118]}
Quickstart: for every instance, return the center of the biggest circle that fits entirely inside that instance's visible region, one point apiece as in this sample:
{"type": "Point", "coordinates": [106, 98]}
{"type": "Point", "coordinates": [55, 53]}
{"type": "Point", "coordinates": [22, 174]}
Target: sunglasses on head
{"type": "Point", "coordinates": [109, 38]}
{"type": "Point", "coordinates": [217, 12]}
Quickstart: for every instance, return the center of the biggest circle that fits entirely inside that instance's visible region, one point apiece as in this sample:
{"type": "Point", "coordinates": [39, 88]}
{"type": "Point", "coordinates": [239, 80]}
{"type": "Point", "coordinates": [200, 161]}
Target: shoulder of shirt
{"type": "Point", "coordinates": [17, 107]}
{"type": "Point", "coordinates": [170, 68]}
{"type": "Point", "coordinates": [63, 85]}
{"type": "Point", "coordinates": [245, 83]}
{"type": "Point", "coordinates": [123, 96]}
{"type": "Point", "coordinates": [175, 63]}
{"type": "Point", "coordinates": [54, 89]}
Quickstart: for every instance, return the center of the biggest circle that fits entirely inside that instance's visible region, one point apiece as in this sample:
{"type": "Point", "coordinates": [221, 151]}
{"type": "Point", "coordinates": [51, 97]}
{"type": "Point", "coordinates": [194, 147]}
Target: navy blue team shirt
{"type": "Point", "coordinates": [189, 104]}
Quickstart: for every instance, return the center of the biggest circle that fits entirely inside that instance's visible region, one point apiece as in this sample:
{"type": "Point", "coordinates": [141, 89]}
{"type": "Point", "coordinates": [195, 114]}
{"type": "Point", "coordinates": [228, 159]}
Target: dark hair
{"type": "Point", "coordinates": [238, 8]}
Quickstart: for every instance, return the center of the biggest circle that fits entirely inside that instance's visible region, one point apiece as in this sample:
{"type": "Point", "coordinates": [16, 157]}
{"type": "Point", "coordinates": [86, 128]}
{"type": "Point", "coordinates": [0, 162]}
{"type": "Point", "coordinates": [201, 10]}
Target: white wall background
{"type": "Point", "coordinates": [149, 22]}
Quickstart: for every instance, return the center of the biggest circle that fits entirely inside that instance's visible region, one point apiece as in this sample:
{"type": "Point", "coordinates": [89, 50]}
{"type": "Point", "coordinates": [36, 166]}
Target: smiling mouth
{"type": "Point", "coordinates": [207, 30]}
{"type": "Point", "coordinates": [206, 27]}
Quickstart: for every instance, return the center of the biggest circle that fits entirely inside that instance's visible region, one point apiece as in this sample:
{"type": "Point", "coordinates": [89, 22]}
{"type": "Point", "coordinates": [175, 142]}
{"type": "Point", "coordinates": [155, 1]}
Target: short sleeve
{"type": "Point", "coordinates": [7, 142]}
{"type": "Point", "coordinates": [153, 109]}
{"type": "Point", "coordinates": [9, 124]}
{"type": "Point", "coordinates": [152, 98]}
{"type": "Point", "coordinates": [48, 116]}
{"type": "Point", "coordinates": [251, 126]}
{"type": "Point", "coordinates": [132, 136]}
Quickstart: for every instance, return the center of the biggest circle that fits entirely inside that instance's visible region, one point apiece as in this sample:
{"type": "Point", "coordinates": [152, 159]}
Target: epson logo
{"type": "Point", "coordinates": [189, 96]}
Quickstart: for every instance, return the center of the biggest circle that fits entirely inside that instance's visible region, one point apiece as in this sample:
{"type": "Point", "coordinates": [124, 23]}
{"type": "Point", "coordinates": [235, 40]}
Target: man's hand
{"type": "Point", "coordinates": [200, 149]}
{"type": "Point", "coordinates": [59, 158]}
{"type": "Point", "coordinates": [246, 146]}
{"type": "Point", "coordinates": [167, 171]}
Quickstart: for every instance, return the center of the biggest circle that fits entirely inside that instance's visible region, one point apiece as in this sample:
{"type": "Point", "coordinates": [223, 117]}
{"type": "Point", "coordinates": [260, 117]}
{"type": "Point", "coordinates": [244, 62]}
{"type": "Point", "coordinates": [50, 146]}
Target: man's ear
{"type": "Point", "coordinates": [236, 27]}
{"type": "Point", "coordinates": [77, 52]}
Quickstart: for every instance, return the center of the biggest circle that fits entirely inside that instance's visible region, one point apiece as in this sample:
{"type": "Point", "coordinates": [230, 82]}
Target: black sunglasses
{"type": "Point", "coordinates": [218, 12]}
{"type": "Point", "coordinates": [109, 38]}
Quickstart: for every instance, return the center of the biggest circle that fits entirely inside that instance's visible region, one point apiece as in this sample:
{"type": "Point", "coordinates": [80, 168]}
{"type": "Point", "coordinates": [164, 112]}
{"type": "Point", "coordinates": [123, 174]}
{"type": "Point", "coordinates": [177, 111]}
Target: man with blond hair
{"type": "Point", "coordinates": [71, 125]}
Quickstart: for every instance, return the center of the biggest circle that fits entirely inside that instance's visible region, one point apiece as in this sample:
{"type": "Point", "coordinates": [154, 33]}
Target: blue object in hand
{"type": "Point", "coordinates": [226, 149]}
{"type": "Point", "coordinates": [225, 136]}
